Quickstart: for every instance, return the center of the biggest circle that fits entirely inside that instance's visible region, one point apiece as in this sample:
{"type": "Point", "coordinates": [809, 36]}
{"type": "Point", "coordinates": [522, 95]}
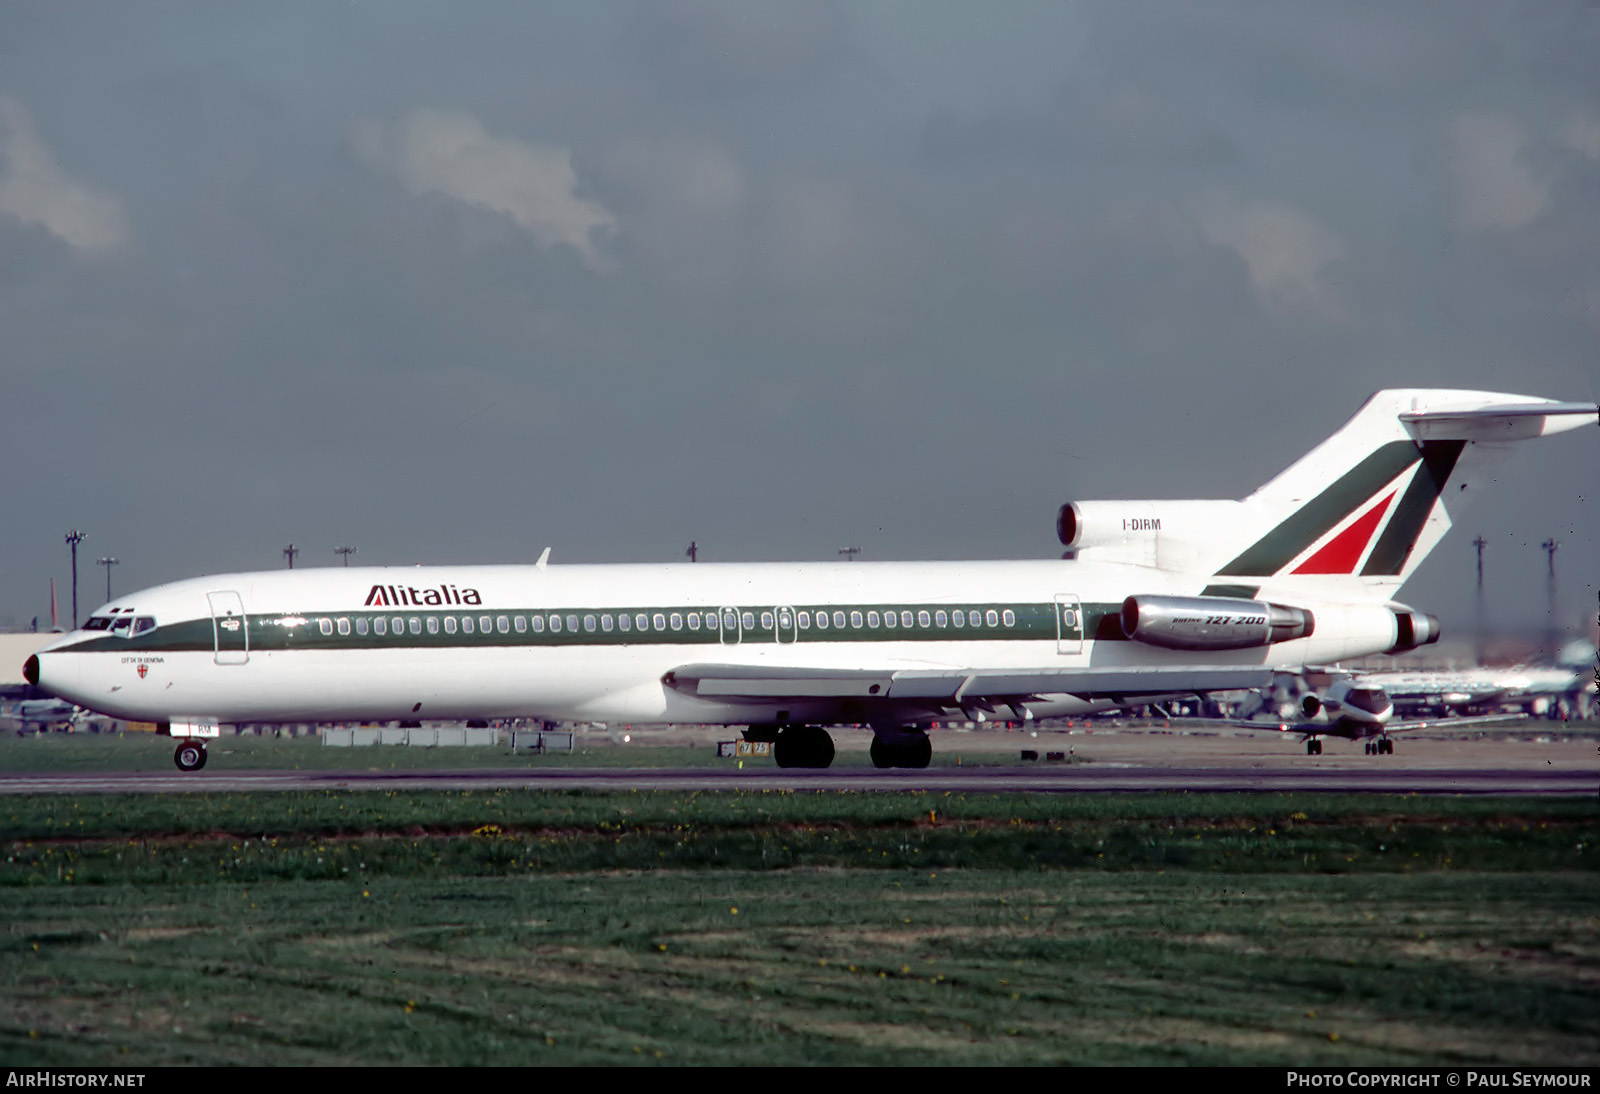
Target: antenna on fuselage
{"type": "Point", "coordinates": [544, 558]}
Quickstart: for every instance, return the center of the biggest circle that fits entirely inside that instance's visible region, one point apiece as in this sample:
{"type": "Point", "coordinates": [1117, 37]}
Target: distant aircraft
{"type": "Point", "coordinates": [1356, 709]}
{"type": "Point", "coordinates": [38, 715]}
{"type": "Point", "coordinates": [1156, 599]}
{"type": "Point", "coordinates": [1534, 690]}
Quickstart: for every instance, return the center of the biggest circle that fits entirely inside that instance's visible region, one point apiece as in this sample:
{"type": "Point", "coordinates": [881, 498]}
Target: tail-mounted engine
{"type": "Point", "coordinates": [1413, 629]}
{"type": "Point", "coordinates": [1212, 622]}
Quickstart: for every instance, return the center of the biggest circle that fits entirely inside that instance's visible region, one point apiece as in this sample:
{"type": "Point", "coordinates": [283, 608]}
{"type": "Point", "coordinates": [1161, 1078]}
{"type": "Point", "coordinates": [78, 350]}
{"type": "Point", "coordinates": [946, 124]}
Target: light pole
{"type": "Point", "coordinates": [346, 552]}
{"type": "Point", "coordinates": [289, 552]}
{"type": "Point", "coordinates": [107, 563]}
{"type": "Point", "coordinates": [850, 552]}
{"type": "Point", "coordinates": [74, 538]}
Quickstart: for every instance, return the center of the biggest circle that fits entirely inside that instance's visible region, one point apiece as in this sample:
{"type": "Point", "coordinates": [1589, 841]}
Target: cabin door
{"type": "Point", "coordinates": [1069, 624]}
{"type": "Point", "coordinates": [230, 628]}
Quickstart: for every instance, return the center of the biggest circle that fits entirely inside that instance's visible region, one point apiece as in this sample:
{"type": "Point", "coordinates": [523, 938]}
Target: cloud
{"type": "Point", "coordinates": [1582, 134]}
{"type": "Point", "coordinates": [434, 151]}
{"type": "Point", "coordinates": [35, 190]}
{"type": "Point", "coordinates": [1286, 250]}
{"type": "Point", "coordinates": [1495, 190]}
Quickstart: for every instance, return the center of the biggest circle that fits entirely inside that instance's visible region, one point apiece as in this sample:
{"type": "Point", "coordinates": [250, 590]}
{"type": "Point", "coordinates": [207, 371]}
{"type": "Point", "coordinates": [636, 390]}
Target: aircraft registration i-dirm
{"type": "Point", "coordinates": [1153, 599]}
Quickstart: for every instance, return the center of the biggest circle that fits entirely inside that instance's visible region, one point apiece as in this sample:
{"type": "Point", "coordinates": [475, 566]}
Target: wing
{"type": "Point", "coordinates": [1359, 730]}
{"type": "Point", "coordinates": [952, 689]}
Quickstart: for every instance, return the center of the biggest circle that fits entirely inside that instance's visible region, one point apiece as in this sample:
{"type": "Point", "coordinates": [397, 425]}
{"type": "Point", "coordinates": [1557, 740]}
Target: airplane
{"type": "Point", "coordinates": [45, 714]}
{"type": "Point", "coordinates": [1554, 691]}
{"type": "Point", "coordinates": [1357, 709]}
{"type": "Point", "coordinates": [1153, 600]}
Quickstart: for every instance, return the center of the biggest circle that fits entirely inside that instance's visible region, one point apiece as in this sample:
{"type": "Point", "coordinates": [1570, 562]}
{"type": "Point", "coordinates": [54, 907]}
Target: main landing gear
{"type": "Point", "coordinates": [1381, 747]}
{"type": "Point", "coordinates": [910, 749]}
{"type": "Point", "coordinates": [1313, 747]}
{"type": "Point", "coordinates": [191, 755]}
{"type": "Point", "coordinates": [796, 746]}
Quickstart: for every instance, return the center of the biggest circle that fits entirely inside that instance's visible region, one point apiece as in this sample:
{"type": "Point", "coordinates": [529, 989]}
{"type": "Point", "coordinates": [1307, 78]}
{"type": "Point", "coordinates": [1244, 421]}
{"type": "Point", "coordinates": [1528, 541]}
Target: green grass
{"type": "Point", "coordinates": [797, 927]}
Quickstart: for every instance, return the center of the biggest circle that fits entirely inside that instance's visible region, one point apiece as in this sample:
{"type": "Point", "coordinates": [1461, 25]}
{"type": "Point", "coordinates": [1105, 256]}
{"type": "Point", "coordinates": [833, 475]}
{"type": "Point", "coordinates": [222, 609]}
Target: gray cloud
{"type": "Point", "coordinates": [441, 152]}
{"type": "Point", "coordinates": [34, 189]}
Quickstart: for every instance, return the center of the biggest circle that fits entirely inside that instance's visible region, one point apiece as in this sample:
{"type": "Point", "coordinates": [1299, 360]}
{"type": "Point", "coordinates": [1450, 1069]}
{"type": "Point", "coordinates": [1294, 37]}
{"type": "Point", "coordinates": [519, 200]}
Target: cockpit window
{"type": "Point", "coordinates": [143, 623]}
{"type": "Point", "coordinates": [98, 623]}
{"type": "Point", "coordinates": [121, 624]}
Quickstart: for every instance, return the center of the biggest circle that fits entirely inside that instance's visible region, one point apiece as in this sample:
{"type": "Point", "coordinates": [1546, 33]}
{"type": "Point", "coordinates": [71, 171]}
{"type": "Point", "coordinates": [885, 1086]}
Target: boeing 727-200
{"type": "Point", "coordinates": [1154, 599]}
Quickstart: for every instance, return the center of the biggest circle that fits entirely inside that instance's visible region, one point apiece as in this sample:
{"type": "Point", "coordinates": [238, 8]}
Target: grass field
{"type": "Point", "coordinates": [778, 928]}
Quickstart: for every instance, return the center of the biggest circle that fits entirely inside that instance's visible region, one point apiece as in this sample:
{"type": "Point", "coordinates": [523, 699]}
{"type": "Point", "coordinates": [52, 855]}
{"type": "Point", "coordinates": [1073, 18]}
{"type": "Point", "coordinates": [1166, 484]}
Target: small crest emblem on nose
{"type": "Point", "coordinates": [142, 670]}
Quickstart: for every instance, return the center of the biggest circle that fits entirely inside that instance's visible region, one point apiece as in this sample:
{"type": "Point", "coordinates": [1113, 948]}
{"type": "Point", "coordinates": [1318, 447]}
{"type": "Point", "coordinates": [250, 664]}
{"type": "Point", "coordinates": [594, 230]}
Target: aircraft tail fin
{"type": "Point", "coordinates": [1364, 508]}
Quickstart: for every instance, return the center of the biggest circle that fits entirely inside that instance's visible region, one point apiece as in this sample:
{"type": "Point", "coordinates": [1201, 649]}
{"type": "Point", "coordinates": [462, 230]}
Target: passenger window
{"type": "Point", "coordinates": [433, 624]}
{"type": "Point", "coordinates": [572, 623]}
{"type": "Point", "coordinates": [694, 621]}
{"type": "Point", "coordinates": [415, 625]}
{"type": "Point", "coordinates": [974, 618]}
{"type": "Point", "coordinates": [941, 618]}
{"type": "Point", "coordinates": [344, 625]}
{"type": "Point", "coordinates": [323, 625]}
{"type": "Point", "coordinates": [660, 621]}
{"type": "Point", "coordinates": [485, 624]}
{"type": "Point", "coordinates": [992, 617]}
{"type": "Point", "coordinates": [520, 622]}
{"type": "Point", "coordinates": [361, 625]}
{"type": "Point", "coordinates": [1009, 617]}
{"type": "Point", "coordinates": [380, 626]}
{"type": "Point", "coordinates": [677, 621]}
{"type": "Point", "coordinates": [959, 618]}
{"type": "Point", "coordinates": [449, 624]}
{"type": "Point", "coordinates": [923, 619]}
{"type": "Point", "coordinates": [786, 619]}
{"type": "Point", "coordinates": [905, 619]}
{"type": "Point", "coordinates": [711, 621]}
{"type": "Point", "coordinates": [538, 624]}
{"type": "Point", "coordinates": [766, 621]}
{"type": "Point", "coordinates": [466, 625]}
{"type": "Point", "coordinates": [804, 619]}
{"type": "Point", "coordinates": [889, 619]}
{"type": "Point", "coordinates": [749, 621]}
{"type": "Point", "coordinates": [730, 620]}
{"type": "Point", "coordinates": [624, 622]}
{"type": "Point", "coordinates": [641, 621]}
{"type": "Point", "coordinates": [555, 624]}
{"type": "Point", "coordinates": [588, 623]}
{"type": "Point", "coordinates": [838, 619]}
{"type": "Point", "coordinates": [855, 619]}
{"type": "Point", "coordinates": [872, 620]}
{"type": "Point", "coordinates": [605, 623]}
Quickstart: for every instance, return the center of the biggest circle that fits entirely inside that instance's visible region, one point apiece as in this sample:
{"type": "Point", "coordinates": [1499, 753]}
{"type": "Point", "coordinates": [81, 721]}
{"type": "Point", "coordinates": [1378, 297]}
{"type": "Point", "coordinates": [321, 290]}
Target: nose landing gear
{"type": "Point", "coordinates": [191, 755]}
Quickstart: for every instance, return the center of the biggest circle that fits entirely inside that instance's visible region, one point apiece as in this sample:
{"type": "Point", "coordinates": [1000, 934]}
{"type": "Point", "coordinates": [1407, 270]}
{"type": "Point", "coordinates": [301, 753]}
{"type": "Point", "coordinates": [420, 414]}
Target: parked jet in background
{"type": "Point", "coordinates": [39, 715]}
{"type": "Point", "coordinates": [1158, 599]}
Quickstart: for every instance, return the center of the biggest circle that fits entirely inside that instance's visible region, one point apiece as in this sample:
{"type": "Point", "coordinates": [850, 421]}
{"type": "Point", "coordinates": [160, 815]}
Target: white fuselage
{"type": "Point", "coordinates": [307, 648]}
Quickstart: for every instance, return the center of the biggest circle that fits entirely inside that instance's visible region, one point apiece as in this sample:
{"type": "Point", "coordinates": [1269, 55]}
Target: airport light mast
{"type": "Point", "coordinates": [693, 552]}
{"type": "Point", "coordinates": [107, 563]}
{"type": "Point", "coordinates": [1480, 543]}
{"type": "Point", "coordinates": [74, 538]}
{"type": "Point", "coordinates": [1550, 546]}
{"type": "Point", "coordinates": [346, 552]}
{"type": "Point", "coordinates": [289, 552]}
{"type": "Point", "coordinates": [850, 553]}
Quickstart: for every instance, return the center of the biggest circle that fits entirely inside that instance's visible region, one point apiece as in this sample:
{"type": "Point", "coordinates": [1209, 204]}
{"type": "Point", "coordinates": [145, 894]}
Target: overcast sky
{"type": "Point", "coordinates": [454, 282]}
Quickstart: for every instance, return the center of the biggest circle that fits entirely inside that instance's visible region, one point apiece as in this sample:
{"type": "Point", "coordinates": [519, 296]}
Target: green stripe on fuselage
{"type": "Point", "coordinates": [1033, 622]}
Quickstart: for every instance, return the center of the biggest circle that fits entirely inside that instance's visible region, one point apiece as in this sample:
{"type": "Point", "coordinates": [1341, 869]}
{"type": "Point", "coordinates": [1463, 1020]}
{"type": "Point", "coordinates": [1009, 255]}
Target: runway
{"type": "Point", "coordinates": [1063, 779]}
{"type": "Point", "coordinates": [1536, 763]}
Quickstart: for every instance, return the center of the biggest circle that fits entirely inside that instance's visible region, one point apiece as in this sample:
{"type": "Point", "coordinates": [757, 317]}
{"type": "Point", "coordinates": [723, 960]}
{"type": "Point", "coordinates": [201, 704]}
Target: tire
{"type": "Point", "coordinates": [190, 756]}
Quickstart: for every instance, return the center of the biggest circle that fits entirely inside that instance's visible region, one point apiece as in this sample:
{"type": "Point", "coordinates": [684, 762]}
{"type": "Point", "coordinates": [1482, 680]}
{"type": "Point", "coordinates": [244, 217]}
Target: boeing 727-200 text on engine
{"type": "Point", "coordinates": [1154, 599]}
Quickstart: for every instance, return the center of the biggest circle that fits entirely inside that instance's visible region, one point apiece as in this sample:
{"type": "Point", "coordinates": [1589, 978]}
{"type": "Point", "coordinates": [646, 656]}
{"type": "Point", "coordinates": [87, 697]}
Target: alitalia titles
{"type": "Point", "coordinates": [383, 596]}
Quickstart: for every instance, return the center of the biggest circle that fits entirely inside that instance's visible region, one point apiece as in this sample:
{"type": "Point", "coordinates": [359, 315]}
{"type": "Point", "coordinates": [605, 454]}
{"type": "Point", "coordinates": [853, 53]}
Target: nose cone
{"type": "Point", "coordinates": [30, 670]}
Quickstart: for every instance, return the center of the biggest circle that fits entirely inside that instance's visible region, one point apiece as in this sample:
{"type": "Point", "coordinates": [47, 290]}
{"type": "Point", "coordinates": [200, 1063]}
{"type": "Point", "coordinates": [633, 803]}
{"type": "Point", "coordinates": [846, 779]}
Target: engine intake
{"type": "Point", "coordinates": [1211, 622]}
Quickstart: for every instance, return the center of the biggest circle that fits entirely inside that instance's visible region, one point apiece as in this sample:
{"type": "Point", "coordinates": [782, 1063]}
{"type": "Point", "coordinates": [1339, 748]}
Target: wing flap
{"type": "Point", "coordinates": [956, 686]}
